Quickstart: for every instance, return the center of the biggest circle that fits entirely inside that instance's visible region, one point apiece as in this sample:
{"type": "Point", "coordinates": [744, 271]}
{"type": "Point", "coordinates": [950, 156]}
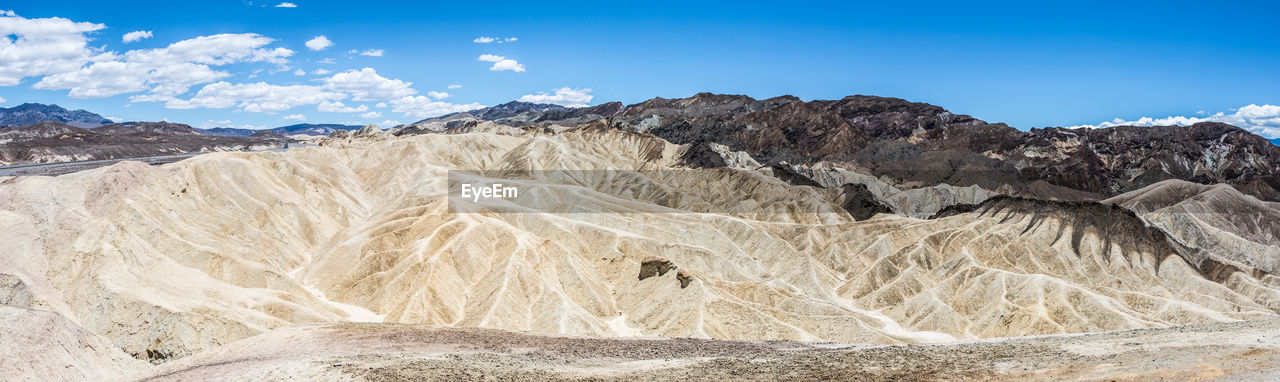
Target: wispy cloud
{"type": "Point", "coordinates": [499, 40]}
{"type": "Point", "coordinates": [286, 5]}
{"type": "Point", "coordinates": [296, 117]}
{"type": "Point", "coordinates": [339, 107]}
{"type": "Point", "coordinates": [368, 52]}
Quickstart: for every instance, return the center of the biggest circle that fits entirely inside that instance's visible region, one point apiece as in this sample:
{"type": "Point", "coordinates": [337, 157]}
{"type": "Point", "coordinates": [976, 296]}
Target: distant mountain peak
{"type": "Point", "coordinates": [28, 114]}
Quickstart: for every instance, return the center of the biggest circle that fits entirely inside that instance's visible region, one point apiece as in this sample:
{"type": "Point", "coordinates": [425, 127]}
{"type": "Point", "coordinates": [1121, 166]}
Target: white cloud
{"type": "Point", "coordinates": [286, 5]}
{"type": "Point", "coordinates": [318, 43]}
{"type": "Point", "coordinates": [36, 47]}
{"type": "Point", "coordinates": [366, 85]}
{"type": "Point", "coordinates": [113, 119]}
{"type": "Point", "coordinates": [379, 105]}
{"type": "Point", "coordinates": [425, 107]}
{"type": "Point", "coordinates": [565, 96]}
{"type": "Point", "coordinates": [296, 117]}
{"type": "Point", "coordinates": [391, 123]}
{"type": "Point", "coordinates": [371, 115]}
{"type": "Point", "coordinates": [7, 13]}
{"type": "Point", "coordinates": [1263, 120]}
{"type": "Point", "coordinates": [370, 52]}
{"type": "Point", "coordinates": [164, 72]}
{"type": "Point", "coordinates": [2, 100]}
{"type": "Point", "coordinates": [321, 72]}
{"type": "Point", "coordinates": [258, 97]}
{"type": "Point", "coordinates": [327, 61]}
{"type": "Point", "coordinates": [486, 40]}
{"type": "Point", "coordinates": [299, 72]}
{"type": "Point", "coordinates": [455, 86]}
{"type": "Point", "coordinates": [135, 36]}
{"type": "Point", "coordinates": [339, 107]}
{"type": "Point", "coordinates": [438, 95]}
{"type": "Point", "coordinates": [501, 63]}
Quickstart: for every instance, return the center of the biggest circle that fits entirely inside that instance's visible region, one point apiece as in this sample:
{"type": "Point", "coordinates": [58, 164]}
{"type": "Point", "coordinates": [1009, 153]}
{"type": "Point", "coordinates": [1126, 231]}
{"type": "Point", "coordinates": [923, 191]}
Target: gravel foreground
{"type": "Point", "coordinates": [385, 352]}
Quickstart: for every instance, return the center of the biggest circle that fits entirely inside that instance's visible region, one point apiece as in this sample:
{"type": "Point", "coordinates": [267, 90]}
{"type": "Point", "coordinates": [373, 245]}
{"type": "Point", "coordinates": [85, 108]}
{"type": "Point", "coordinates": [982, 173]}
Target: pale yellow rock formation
{"type": "Point", "coordinates": [192, 255]}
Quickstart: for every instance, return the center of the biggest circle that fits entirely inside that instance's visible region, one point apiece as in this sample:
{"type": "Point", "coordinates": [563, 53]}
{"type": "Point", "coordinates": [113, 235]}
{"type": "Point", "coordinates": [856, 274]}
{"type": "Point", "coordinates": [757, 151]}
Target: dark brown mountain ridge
{"type": "Point", "coordinates": [919, 144]}
{"type": "Point", "coordinates": [52, 142]}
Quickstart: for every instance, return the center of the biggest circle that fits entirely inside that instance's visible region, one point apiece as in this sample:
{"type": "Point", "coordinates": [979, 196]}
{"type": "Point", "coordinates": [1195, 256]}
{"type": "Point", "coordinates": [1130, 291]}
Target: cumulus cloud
{"type": "Point", "coordinates": [455, 86]}
{"type": "Point", "coordinates": [369, 52]}
{"type": "Point", "coordinates": [486, 40]}
{"type": "Point", "coordinates": [329, 61]}
{"type": "Point", "coordinates": [339, 107]}
{"type": "Point", "coordinates": [378, 105]}
{"type": "Point", "coordinates": [425, 107]}
{"type": "Point", "coordinates": [135, 36]}
{"type": "Point", "coordinates": [366, 85]}
{"type": "Point", "coordinates": [371, 115]}
{"type": "Point", "coordinates": [286, 5]}
{"type": "Point", "coordinates": [321, 72]}
{"type": "Point", "coordinates": [299, 72]}
{"type": "Point", "coordinates": [36, 47]}
{"type": "Point", "coordinates": [164, 72]}
{"type": "Point", "coordinates": [258, 97]}
{"type": "Point", "coordinates": [564, 96]}
{"type": "Point", "coordinates": [438, 95]}
{"type": "Point", "coordinates": [501, 63]}
{"type": "Point", "coordinates": [390, 123]}
{"type": "Point", "coordinates": [318, 43]}
{"type": "Point", "coordinates": [296, 117]}
{"type": "Point", "coordinates": [1263, 120]}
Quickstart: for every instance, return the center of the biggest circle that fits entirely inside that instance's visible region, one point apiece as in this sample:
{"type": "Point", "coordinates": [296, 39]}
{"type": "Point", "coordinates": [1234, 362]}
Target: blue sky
{"type": "Point", "coordinates": [1029, 65]}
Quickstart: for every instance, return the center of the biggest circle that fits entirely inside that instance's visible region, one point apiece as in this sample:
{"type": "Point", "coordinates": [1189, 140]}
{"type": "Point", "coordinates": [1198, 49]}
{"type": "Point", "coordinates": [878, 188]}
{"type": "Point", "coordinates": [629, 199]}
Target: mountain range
{"type": "Point", "coordinates": [32, 113]}
{"type": "Point", "coordinates": [54, 142]}
{"type": "Point", "coordinates": [302, 128]}
{"type": "Point", "coordinates": [922, 144]}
